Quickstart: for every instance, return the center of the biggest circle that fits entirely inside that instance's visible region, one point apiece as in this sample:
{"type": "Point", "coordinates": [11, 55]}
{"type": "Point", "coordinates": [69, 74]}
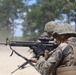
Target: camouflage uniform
{"type": "Point", "coordinates": [62, 55]}
{"type": "Point", "coordinates": [72, 40]}
{"type": "Point", "coordinates": [49, 28]}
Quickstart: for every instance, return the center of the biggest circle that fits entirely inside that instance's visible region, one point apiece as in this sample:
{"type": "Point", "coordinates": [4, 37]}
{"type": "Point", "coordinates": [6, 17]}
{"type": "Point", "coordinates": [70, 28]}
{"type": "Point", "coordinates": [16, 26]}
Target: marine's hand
{"type": "Point", "coordinates": [48, 54]}
{"type": "Point", "coordinates": [34, 60]}
{"type": "Point", "coordinates": [51, 52]}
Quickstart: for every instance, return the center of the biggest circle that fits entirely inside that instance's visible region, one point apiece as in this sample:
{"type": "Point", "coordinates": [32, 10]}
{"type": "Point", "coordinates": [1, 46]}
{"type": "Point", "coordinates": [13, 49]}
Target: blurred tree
{"type": "Point", "coordinates": [9, 11]}
{"type": "Point", "coordinates": [42, 11]}
{"type": "Point", "coordinates": [34, 15]}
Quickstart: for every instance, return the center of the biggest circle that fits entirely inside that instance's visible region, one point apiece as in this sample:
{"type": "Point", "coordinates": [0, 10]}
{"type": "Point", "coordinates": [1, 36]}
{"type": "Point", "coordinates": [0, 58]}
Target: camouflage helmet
{"type": "Point", "coordinates": [49, 26]}
{"type": "Point", "coordinates": [64, 28]}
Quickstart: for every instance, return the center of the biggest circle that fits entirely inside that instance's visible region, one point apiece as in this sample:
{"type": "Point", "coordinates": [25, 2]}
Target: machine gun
{"type": "Point", "coordinates": [38, 48]}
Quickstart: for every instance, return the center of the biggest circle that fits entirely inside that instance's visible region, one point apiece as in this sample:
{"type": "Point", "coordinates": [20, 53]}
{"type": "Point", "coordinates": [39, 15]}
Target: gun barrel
{"type": "Point", "coordinates": [30, 44]}
{"type": "Point", "coordinates": [22, 44]}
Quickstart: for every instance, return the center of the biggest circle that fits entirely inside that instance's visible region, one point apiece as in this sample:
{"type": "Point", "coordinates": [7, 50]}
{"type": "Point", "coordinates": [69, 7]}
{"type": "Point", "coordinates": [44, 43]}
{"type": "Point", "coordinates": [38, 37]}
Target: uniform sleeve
{"type": "Point", "coordinates": [69, 57]}
{"type": "Point", "coordinates": [46, 67]}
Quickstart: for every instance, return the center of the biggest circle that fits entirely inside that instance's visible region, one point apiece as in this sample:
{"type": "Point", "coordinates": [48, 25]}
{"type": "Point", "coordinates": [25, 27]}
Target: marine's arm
{"type": "Point", "coordinates": [45, 67]}
{"type": "Point", "coordinates": [63, 55]}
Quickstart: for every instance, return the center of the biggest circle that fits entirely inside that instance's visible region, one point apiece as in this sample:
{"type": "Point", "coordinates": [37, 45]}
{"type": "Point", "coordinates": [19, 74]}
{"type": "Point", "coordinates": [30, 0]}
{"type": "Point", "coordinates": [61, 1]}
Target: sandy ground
{"type": "Point", "coordinates": [9, 64]}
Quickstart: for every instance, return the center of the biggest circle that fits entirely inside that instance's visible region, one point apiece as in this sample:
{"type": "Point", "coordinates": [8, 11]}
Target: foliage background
{"type": "Point", "coordinates": [34, 16]}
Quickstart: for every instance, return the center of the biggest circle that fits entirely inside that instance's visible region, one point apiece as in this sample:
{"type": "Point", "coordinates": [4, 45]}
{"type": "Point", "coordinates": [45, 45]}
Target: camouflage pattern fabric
{"type": "Point", "coordinates": [72, 40]}
{"type": "Point", "coordinates": [62, 56]}
{"type": "Point", "coordinates": [49, 26]}
{"type": "Point", "coordinates": [64, 28]}
{"type": "Point", "coordinates": [47, 67]}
